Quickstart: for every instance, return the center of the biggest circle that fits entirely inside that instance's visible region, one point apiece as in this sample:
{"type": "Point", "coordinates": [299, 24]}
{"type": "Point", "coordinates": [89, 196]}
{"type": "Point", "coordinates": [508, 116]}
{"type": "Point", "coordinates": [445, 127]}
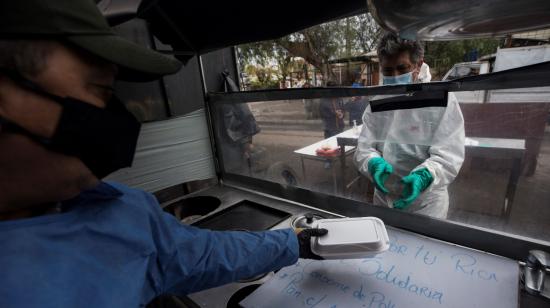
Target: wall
{"type": "Point", "coordinates": [170, 152]}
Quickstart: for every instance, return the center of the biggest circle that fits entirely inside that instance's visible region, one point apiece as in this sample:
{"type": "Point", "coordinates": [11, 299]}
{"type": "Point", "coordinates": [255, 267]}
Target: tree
{"type": "Point", "coordinates": [316, 45]}
{"type": "Point", "coordinates": [263, 77]}
{"type": "Point", "coordinates": [441, 56]}
{"type": "Point", "coordinates": [369, 32]}
{"type": "Point", "coordinates": [346, 38]}
{"type": "Point", "coordinates": [266, 54]}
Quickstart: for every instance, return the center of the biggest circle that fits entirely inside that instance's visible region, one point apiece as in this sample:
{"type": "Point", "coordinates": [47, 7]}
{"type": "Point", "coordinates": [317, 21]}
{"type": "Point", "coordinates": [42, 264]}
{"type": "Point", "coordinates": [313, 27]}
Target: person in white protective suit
{"type": "Point", "coordinates": [424, 75]}
{"type": "Point", "coordinates": [419, 152]}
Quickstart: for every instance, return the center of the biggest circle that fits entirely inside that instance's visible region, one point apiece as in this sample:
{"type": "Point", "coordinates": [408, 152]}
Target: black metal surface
{"type": "Point", "coordinates": [202, 26]}
{"type": "Point", "coordinates": [214, 64]}
{"type": "Point", "coordinates": [197, 205]}
{"type": "Point", "coordinates": [413, 101]}
{"type": "Point", "coordinates": [507, 245]}
{"type": "Point", "coordinates": [209, 112]}
{"type": "Point", "coordinates": [184, 89]}
{"type": "Point", "coordinates": [245, 215]}
{"type": "Point", "coordinates": [241, 295]}
{"type": "Point", "coordinates": [118, 11]}
{"type": "Point", "coordinates": [536, 75]}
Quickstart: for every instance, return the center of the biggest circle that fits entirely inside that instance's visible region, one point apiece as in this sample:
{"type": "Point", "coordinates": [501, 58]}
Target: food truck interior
{"type": "Point", "coordinates": [222, 150]}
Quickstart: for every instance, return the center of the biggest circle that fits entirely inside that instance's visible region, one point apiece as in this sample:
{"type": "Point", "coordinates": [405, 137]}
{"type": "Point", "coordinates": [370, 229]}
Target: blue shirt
{"type": "Point", "coordinates": [115, 247]}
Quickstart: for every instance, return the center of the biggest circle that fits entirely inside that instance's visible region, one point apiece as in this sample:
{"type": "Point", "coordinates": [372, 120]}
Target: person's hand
{"type": "Point", "coordinates": [304, 240]}
{"type": "Point", "coordinates": [380, 170]}
{"type": "Point", "coordinates": [415, 183]}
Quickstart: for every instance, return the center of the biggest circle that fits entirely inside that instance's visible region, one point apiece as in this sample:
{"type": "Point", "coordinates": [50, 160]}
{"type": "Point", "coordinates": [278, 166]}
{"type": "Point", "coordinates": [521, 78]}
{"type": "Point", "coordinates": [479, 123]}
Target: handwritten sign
{"type": "Point", "coordinates": [415, 272]}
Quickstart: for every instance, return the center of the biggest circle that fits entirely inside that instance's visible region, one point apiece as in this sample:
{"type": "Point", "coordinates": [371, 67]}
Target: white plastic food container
{"type": "Point", "coordinates": [350, 238]}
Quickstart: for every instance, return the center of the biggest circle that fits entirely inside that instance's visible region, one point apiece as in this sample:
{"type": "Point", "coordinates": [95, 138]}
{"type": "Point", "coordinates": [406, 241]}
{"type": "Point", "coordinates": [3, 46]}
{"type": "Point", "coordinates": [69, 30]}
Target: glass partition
{"type": "Point", "coordinates": [483, 164]}
{"type": "Point", "coordinates": [482, 158]}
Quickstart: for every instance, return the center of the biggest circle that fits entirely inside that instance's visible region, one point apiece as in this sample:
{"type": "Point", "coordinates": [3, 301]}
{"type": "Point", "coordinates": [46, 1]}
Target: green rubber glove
{"type": "Point", "coordinates": [415, 183]}
{"type": "Point", "coordinates": [380, 170]}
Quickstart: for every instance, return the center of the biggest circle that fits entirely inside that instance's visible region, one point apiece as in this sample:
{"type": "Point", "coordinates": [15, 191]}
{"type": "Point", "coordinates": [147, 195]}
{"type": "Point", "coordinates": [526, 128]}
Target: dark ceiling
{"type": "Point", "coordinates": [202, 26]}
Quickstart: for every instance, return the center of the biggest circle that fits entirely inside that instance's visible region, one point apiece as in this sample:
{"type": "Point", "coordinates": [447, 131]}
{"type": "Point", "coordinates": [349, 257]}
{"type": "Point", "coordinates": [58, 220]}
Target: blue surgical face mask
{"type": "Point", "coordinates": [104, 139]}
{"type": "Point", "coordinates": [400, 79]}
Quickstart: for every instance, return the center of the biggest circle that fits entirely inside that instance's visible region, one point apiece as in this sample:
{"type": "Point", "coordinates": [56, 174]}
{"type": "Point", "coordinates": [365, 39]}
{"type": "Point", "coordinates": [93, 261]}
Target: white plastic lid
{"type": "Point", "coordinates": [350, 238]}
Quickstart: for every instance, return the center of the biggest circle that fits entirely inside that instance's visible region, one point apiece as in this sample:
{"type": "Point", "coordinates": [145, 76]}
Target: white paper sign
{"type": "Point", "coordinates": [415, 272]}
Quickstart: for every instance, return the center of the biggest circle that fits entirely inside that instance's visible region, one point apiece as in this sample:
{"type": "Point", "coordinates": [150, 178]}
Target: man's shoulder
{"type": "Point", "coordinates": [130, 191]}
{"type": "Point", "coordinates": [112, 200]}
{"type": "Point", "coordinates": [124, 188]}
{"type": "Point", "coordinates": [121, 197]}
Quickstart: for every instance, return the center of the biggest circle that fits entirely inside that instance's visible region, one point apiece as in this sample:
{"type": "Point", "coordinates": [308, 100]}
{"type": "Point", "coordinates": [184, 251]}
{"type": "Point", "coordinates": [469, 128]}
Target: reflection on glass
{"type": "Point", "coordinates": [237, 127]}
{"type": "Point", "coordinates": [145, 100]}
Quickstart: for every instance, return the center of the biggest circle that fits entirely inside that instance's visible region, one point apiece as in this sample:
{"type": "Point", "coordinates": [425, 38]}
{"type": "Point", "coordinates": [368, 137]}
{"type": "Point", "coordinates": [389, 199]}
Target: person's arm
{"type": "Point", "coordinates": [192, 259]}
{"type": "Point", "coordinates": [447, 149]}
{"type": "Point", "coordinates": [368, 143]}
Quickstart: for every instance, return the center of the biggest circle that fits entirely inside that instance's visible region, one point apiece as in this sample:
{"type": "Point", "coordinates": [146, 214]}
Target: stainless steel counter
{"type": "Point", "coordinates": [229, 196]}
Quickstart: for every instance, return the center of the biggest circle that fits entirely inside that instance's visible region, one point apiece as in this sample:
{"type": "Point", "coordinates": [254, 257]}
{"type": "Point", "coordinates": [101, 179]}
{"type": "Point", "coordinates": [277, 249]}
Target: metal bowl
{"type": "Point", "coordinates": [305, 221]}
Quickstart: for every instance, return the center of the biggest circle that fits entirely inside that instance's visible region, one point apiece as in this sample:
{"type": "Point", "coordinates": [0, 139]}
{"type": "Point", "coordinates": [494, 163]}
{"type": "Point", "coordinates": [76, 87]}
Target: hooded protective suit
{"type": "Point", "coordinates": [410, 139]}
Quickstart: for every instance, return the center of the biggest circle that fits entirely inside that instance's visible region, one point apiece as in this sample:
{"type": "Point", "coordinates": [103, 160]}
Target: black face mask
{"type": "Point", "coordinates": [103, 139]}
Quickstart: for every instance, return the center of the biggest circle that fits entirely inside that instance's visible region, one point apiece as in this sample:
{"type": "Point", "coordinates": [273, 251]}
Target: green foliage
{"type": "Point", "coordinates": [316, 45]}
{"type": "Point", "coordinates": [441, 56]}
{"type": "Point", "coordinates": [269, 84]}
{"type": "Point", "coordinates": [262, 77]}
{"type": "Point", "coordinates": [267, 54]}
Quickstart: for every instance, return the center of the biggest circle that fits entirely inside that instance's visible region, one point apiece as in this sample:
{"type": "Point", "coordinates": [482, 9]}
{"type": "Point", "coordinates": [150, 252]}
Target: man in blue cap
{"type": "Point", "coordinates": [69, 239]}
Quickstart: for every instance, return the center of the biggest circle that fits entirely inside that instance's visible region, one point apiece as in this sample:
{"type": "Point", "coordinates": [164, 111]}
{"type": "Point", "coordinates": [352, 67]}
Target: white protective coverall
{"type": "Point", "coordinates": [410, 139]}
{"type": "Point", "coordinates": [424, 75]}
